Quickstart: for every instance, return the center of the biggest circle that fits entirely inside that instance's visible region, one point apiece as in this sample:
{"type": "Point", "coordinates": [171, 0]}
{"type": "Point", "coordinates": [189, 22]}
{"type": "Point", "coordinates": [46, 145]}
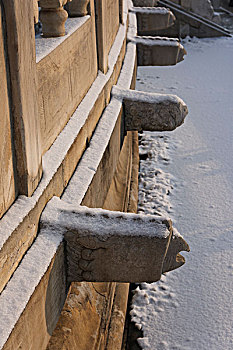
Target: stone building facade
{"type": "Point", "coordinates": [69, 121]}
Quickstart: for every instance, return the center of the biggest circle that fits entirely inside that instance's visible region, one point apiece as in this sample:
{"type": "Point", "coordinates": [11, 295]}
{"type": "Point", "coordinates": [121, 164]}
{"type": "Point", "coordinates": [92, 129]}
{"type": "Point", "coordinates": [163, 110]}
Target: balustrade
{"type": "Point", "coordinates": [77, 8]}
{"type": "Point", "coordinates": [53, 17]}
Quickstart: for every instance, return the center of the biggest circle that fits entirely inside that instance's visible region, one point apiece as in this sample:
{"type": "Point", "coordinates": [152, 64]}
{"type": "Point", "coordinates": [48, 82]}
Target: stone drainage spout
{"type": "Point", "coordinates": [107, 246]}
{"type": "Point", "coordinates": [150, 19]}
{"type": "Point", "coordinates": [158, 51]}
{"type": "Point", "coordinates": [151, 111]}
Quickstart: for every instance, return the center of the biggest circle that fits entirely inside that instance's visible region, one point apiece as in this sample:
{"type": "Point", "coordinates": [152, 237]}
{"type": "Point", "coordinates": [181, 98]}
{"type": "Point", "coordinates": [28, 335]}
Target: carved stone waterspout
{"type": "Point", "coordinates": [151, 111]}
{"type": "Point", "coordinates": [150, 19]}
{"type": "Point", "coordinates": [158, 51]}
{"type": "Point", "coordinates": [113, 246]}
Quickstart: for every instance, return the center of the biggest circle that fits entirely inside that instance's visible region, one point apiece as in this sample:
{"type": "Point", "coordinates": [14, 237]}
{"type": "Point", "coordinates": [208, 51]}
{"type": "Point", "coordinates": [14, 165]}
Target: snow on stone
{"type": "Point", "coordinates": [102, 222]}
{"type": "Point", "coordinates": [149, 10]}
{"type": "Point", "coordinates": [152, 40]}
{"type": "Point", "coordinates": [46, 45]}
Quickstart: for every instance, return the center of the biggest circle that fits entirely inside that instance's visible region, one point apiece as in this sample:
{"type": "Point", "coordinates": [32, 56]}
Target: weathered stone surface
{"type": "Point", "coordinates": [107, 24]}
{"type": "Point", "coordinates": [150, 19]}
{"type": "Point", "coordinates": [77, 8]}
{"type": "Point", "coordinates": [63, 80]}
{"type": "Point", "coordinates": [26, 131]}
{"type": "Point", "coordinates": [173, 259]}
{"type": "Point", "coordinates": [113, 246]}
{"type": "Point", "coordinates": [36, 11]}
{"type": "Point", "coordinates": [116, 327]}
{"type": "Point", "coordinates": [118, 194]}
{"type": "Point", "coordinates": [53, 21]}
{"type": "Point", "coordinates": [83, 317]}
{"type": "Point", "coordinates": [36, 293]}
{"type": "Point", "coordinates": [201, 7]}
{"type": "Point", "coordinates": [121, 10]}
{"type": "Point", "coordinates": [8, 189]}
{"type": "Point", "coordinates": [158, 51]}
{"type": "Point", "coordinates": [18, 227]}
{"type": "Point", "coordinates": [191, 23]}
{"type": "Point", "coordinates": [151, 111]}
{"type": "Point", "coordinates": [98, 310]}
{"type": "Point", "coordinates": [145, 3]}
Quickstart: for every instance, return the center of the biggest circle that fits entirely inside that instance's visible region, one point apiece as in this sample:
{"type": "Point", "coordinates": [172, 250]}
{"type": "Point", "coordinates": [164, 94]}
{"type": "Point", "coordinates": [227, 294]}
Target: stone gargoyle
{"type": "Point", "coordinates": [105, 246]}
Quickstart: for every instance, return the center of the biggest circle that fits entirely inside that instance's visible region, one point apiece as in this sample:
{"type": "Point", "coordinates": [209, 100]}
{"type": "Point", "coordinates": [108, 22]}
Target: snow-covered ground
{"type": "Point", "coordinates": [188, 174]}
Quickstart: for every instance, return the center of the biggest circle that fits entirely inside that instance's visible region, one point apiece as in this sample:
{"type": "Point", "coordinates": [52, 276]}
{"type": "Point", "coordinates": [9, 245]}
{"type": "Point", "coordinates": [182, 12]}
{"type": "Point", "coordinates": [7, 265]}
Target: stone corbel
{"type": "Point", "coordinates": [53, 17]}
{"type": "Point", "coordinates": [158, 51]}
{"type": "Point", "coordinates": [150, 19]}
{"type": "Point", "coordinates": [105, 246]}
{"type": "Point", "coordinates": [150, 111]}
{"type": "Point", "coordinates": [77, 8]}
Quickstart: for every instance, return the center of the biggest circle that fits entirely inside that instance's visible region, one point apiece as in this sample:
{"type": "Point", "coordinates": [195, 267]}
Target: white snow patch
{"type": "Point", "coordinates": [191, 308]}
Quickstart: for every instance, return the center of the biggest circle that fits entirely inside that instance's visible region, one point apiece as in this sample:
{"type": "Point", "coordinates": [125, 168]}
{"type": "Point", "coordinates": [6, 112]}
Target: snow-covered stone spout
{"type": "Point", "coordinates": [150, 19]}
{"type": "Point", "coordinates": [151, 111]}
{"type": "Point", "coordinates": [158, 51]}
{"type": "Point", "coordinates": [105, 246]}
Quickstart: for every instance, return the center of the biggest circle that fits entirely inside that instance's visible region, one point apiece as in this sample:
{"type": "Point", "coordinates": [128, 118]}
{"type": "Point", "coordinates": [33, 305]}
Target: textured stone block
{"type": "Point", "coordinates": [158, 51]}
{"type": "Point", "coordinates": [151, 111]}
{"type": "Point", "coordinates": [150, 19]}
{"type": "Point", "coordinates": [7, 182]}
{"type": "Point", "coordinates": [105, 246]}
{"type": "Point", "coordinates": [19, 17]}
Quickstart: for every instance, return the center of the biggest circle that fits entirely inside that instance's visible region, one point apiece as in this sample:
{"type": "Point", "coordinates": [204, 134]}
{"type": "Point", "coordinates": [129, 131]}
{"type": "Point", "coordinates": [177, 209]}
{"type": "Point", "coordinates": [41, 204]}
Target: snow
{"type": "Point", "coordinates": [151, 10]}
{"type": "Point", "coordinates": [46, 45]}
{"type": "Point", "coordinates": [147, 97]}
{"type": "Point", "coordinates": [156, 40]}
{"type": "Point", "coordinates": [104, 223]}
{"type": "Point", "coordinates": [192, 171]}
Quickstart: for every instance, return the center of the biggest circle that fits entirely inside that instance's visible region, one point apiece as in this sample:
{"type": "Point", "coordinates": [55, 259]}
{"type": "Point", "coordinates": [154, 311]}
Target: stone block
{"type": "Point", "coordinates": [104, 246]}
{"type": "Point", "coordinates": [63, 80]}
{"type": "Point", "coordinates": [145, 3]}
{"type": "Point", "coordinates": [153, 18]}
{"type": "Point", "coordinates": [151, 111]}
{"type": "Point", "coordinates": [158, 51]}
{"type": "Point", "coordinates": [107, 24]}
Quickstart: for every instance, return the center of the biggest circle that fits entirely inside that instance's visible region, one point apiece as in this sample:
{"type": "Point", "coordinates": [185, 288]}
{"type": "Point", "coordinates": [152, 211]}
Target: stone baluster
{"type": "Point", "coordinates": [53, 17]}
{"type": "Point", "coordinates": [77, 8]}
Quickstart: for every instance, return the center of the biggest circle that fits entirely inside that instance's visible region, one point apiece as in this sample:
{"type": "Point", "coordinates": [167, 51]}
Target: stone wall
{"type": "Point", "coordinates": [66, 74]}
{"type": "Point", "coordinates": [8, 190]}
{"type": "Point", "coordinates": [201, 7]}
